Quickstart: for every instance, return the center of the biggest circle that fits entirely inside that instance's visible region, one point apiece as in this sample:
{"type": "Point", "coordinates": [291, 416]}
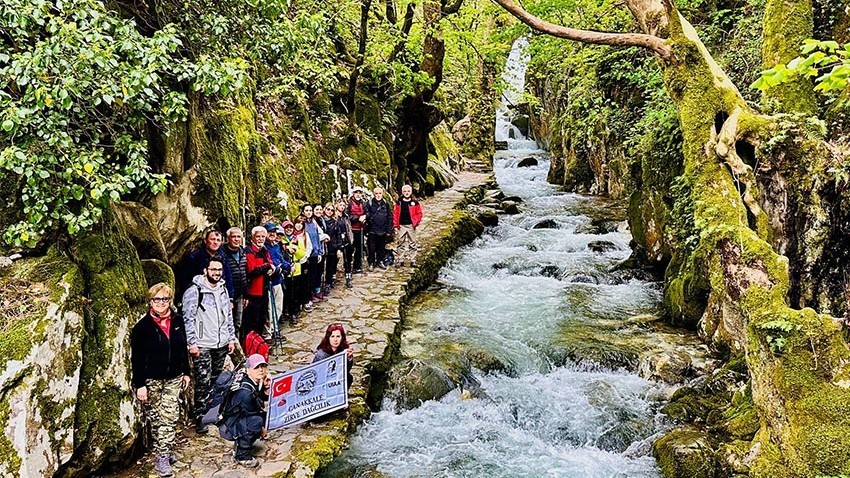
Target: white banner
{"type": "Point", "coordinates": [309, 392]}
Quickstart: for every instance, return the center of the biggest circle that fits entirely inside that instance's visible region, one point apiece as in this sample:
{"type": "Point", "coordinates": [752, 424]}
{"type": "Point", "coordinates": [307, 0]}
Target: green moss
{"type": "Point", "coordinates": [685, 453]}
{"type": "Point", "coordinates": [10, 462]}
{"type": "Point", "coordinates": [315, 455]}
{"type": "Point", "coordinates": [157, 271]}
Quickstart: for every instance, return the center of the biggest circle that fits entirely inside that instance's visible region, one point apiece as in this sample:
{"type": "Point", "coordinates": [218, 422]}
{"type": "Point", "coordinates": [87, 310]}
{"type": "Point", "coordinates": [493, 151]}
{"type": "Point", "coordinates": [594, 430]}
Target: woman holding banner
{"type": "Point", "coordinates": [334, 342]}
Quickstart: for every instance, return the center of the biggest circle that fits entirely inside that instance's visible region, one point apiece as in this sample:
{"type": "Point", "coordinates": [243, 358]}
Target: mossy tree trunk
{"type": "Point", "coordinates": [797, 358]}
{"type": "Point", "coordinates": [417, 117]}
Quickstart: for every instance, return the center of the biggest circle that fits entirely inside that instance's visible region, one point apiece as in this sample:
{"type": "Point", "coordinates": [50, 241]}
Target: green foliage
{"type": "Point", "coordinates": [80, 84]}
{"type": "Point", "coordinates": [825, 61]}
{"type": "Point", "coordinates": [778, 331]}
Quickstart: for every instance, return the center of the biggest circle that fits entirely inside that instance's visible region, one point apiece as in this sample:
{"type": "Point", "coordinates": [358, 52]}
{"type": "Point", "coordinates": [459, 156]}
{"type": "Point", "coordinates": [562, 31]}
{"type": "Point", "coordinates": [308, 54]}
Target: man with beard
{"type": "Point", "coordinates": [210, 334]}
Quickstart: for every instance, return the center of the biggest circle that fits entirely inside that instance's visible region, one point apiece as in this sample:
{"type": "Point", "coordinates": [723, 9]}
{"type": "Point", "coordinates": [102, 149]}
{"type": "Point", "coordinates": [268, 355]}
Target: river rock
{"type": "Point", "coordinates": [685, 453]}
{"type": "Point", "coordinates": [486, 215]}
{"type": "Point", "coordinates": [414, 382]}
{"type": "Point", "coordinates": [488, 362]}
{"type": "Point", "coordinates": [671, 366]}
{"type": "Point", "coordinates": [510, 207]}
{"type": "Point", "coordinates": [500, 145]}
{"type": "Point", "coordinates": [598, 227]}
{"type": "Point", "coordinates": [550, 270]}
{"type": "Point", "coordinates": [527, 162]}
{"type": "Point", "coordinates": [546, 224]}
{"type": "Point", "coordinates": [601, 246]}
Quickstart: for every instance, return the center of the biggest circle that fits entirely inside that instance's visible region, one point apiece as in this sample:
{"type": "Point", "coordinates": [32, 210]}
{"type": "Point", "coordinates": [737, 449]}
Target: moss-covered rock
{"type": "Point", "coordinates": [685, 453]}
{"type": "Point", "coordinates": [415, 382]}
{"type": "Point", "coordinates": [157, 271]}
{"type": "Point", "coordinates": [40, 364]}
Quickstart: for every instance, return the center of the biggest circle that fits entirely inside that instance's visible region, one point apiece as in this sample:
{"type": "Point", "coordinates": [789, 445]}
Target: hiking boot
{"type": "Point", "coordinates": [316, 298]}
{"type": "Point", "coordinates": [249, 463]}
{"type": "Point", "coordinates": [200, 427]}
{"type": "Point", "coordinates": [348, 283]}
{"type": "Point", "coordinates": [163, 466]}
{"type": "Point", "coordinates": [308, 307]}
{"type": "Point", "coordinates": [358, 271]}
{"type": "Point", "coordinates": [382, 265]}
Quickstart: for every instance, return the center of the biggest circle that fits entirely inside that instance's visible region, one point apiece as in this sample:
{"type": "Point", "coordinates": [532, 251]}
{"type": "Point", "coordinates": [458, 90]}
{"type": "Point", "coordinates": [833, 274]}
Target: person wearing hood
{"type": "Point", "coordinates": [210, 335]}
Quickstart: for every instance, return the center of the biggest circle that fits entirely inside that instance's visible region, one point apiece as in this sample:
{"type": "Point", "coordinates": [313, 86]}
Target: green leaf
{"type": "Point", "coordinates": [8, 125]}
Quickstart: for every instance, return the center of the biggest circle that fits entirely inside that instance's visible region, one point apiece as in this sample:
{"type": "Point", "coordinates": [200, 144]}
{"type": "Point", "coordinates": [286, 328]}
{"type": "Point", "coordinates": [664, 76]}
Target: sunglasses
{"type": "Point", "coordinates": [161, 300]}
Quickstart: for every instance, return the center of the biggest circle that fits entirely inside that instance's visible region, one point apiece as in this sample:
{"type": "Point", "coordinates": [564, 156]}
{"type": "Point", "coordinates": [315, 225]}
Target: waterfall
{"type": "Point", "coordinates": [506, 114]}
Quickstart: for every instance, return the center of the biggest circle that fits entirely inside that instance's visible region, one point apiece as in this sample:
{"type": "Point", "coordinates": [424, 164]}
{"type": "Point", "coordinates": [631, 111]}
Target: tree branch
{"type": "Point", "coordinates": [588, 36]}
{"type": "Point", "coordinates": [448, 9]}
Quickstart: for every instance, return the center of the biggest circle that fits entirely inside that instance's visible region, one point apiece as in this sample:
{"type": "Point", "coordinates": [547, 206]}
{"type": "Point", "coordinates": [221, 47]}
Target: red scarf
{"type": "Point", "coordinates": [164, 322]}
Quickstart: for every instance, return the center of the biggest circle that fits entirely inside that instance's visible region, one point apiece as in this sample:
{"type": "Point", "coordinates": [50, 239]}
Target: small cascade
{"type": "Point", "coordinates": [507, 116]}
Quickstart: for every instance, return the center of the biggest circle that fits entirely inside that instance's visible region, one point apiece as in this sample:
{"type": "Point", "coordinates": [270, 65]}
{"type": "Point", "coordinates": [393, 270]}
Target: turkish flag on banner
{"type": "Point", "coordinates": [282, 386]}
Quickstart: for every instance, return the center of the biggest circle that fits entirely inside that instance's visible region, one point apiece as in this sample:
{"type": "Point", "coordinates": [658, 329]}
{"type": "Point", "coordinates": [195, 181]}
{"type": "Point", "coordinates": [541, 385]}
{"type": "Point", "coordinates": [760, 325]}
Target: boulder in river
{"type": "Point", "coordinates": [527, 162]}
{"type": "Point", "coordinates": [515, 199]}
{"type": "Point", "coordinates": [414, 382]}
{"type": "Point", "coordinates": [546, 224]}
{"type": "Point", "coordinates": [671, 366]}
{"type": "Point", "coordinates": [488, 362]}
{"type": "Point", "coordinates": [486, 215]}
{"type": "Point", "coordinates": [598, 227]}
{"type": "Point", "coordinates": [510, 207]}
{"type": "Point", "coordinates": [601, 246]}
{"type": "Point", "coordinates": [500, 145]}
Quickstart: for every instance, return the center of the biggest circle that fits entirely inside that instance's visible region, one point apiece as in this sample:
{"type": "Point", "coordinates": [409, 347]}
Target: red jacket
{"type": "Point", "coordinates": [415, 213]}
{"type": "Point", "coordinates": [259, 262]}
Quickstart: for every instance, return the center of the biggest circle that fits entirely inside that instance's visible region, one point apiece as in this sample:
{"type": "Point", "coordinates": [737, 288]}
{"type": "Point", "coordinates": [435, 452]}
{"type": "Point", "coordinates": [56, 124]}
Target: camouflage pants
{"type": "Point", "coordinates": [207, 367]}
{"type": "Point", "coordinates": [164, 412]}
{"type": "Point", "coordinates": [406, 248]}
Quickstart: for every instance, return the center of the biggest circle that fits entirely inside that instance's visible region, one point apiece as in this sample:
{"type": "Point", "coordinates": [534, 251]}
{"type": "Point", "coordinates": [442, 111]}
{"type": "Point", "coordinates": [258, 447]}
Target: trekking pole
{"type": "Point", "coordinates": [276, 340]}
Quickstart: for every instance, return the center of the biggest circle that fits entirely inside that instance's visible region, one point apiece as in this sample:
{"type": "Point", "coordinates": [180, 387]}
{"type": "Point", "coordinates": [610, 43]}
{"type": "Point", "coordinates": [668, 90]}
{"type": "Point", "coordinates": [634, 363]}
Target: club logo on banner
{"type": "Point", "coordinates": [309, 392]}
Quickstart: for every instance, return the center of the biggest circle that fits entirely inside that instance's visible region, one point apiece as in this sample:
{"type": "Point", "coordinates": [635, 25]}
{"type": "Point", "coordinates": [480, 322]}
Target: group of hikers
{"type": "Point", "coordinates": [235, 295]}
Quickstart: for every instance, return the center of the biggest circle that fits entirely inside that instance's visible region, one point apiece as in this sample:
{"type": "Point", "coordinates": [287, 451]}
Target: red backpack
{"type": "Point", "coordinates": [255, 344]}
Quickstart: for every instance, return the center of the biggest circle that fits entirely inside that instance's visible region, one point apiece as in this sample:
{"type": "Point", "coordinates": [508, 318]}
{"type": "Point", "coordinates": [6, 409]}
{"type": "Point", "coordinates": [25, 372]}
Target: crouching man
{"type": "Point", "coordinates": [244, 414]}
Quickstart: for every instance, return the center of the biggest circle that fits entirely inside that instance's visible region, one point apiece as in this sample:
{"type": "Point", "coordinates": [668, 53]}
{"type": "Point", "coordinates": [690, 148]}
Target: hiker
{"type": "Point", "coordinates": [160, 371]}
{"type": "Point", "coordinates": [210, 333]}
{"type": "Point", "coordinates": [302, 292]}
{"type": "Point", "coordinates": [335, 229]}
{"type": "Point", "coordinates": [259, 269]}
{"type": "Point", "coordinates": [346, 242]}
{"type": "Point", "coordinates": [315, 269]}
{"type": "Point", "coordinates": [296, 249]}
{"type": "Point", "coordinates": [380, 228]}
{"type": "Point", "coordinates": [335, 342]}
{"type": "Point", "coordinates": [407, 214]}
{"type": "Point", "coordinates": [356, 212]}
{"type": "Point", "coordinates": [244, 414]}
{"type": "Point", "coordinates": [196, 261]}
{"type": "Point", "coordinates": [236, 261]}
{"type": "Point", "coordinates": [275, 248]}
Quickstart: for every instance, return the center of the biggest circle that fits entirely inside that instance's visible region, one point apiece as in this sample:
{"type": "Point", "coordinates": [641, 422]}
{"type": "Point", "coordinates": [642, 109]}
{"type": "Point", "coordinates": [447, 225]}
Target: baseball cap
{"type": "Point", "coordinates": [270, 227]}
{"type": "Point", "coordinates": [255, 361]}
{"type": "Point", "coordinates": [287, 224]}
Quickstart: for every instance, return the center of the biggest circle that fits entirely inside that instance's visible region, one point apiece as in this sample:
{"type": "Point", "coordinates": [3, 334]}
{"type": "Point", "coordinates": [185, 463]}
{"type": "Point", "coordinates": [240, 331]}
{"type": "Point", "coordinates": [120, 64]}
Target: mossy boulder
{"type": "Point", "coordinates": [488, 362]}
{"type": "Point", "coordinates": [685, 453]}
{"type": "Point", "coordinates": [414, 382]}
{"type": "Point", "coordinates": [157, 271]}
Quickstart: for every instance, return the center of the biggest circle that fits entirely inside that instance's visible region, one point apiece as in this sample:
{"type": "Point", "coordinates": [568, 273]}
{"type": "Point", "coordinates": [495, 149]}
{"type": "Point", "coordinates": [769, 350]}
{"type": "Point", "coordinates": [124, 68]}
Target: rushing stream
{"type": "Point", "coordinates": [543, 301]}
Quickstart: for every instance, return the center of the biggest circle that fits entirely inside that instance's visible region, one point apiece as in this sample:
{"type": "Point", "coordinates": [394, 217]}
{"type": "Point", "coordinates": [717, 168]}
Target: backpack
{"type": "Point", "coordinates": [255, 344]}
{"type": "Point", "coordinates": [220, 394]}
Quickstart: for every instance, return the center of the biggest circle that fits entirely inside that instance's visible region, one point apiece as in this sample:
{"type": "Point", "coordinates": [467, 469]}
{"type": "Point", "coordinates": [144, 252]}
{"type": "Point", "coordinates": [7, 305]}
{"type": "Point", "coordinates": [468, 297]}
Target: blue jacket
{"type": "Point", "coordinates": [245, 404]}
{"type": "Point", "coordinates": [312, 229]}
{"type": "Point", "coordinates": [282, 266]}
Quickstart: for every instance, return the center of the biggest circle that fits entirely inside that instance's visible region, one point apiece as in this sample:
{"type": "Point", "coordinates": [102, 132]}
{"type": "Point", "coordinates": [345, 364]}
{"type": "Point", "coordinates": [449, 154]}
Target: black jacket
{"type": "Point", "coordinates": [380, 217]}
{"type": "Point", "coordinates": [246, 400]}
{"type": "Point", "coordinates": [238, 265]}
{"type": "Point", "coordinates": [155, 356]}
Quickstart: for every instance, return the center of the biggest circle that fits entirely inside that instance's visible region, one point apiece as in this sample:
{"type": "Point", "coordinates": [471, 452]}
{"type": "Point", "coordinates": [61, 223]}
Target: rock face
{"type": "Point", "coordinates": [65, 363]}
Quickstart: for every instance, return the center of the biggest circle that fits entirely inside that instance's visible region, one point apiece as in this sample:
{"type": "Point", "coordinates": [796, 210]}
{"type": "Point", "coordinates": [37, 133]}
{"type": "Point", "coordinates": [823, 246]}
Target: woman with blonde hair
{"type": "Point", "coordinates": [160, 362]}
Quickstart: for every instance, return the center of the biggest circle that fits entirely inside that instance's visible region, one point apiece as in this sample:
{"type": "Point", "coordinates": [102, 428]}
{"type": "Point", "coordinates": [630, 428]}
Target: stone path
{"type": "Point", "coordinates": [370, 313]}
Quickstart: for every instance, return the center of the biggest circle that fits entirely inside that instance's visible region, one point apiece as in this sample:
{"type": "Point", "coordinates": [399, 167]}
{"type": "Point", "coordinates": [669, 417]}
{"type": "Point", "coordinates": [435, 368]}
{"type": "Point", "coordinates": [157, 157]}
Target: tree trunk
{"type": "Point", "coordinates": [351, 97]}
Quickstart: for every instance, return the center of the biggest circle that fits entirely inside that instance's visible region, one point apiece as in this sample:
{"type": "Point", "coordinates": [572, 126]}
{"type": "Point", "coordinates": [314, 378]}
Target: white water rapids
{"type": "Point", "coordinates": [516, 292]}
